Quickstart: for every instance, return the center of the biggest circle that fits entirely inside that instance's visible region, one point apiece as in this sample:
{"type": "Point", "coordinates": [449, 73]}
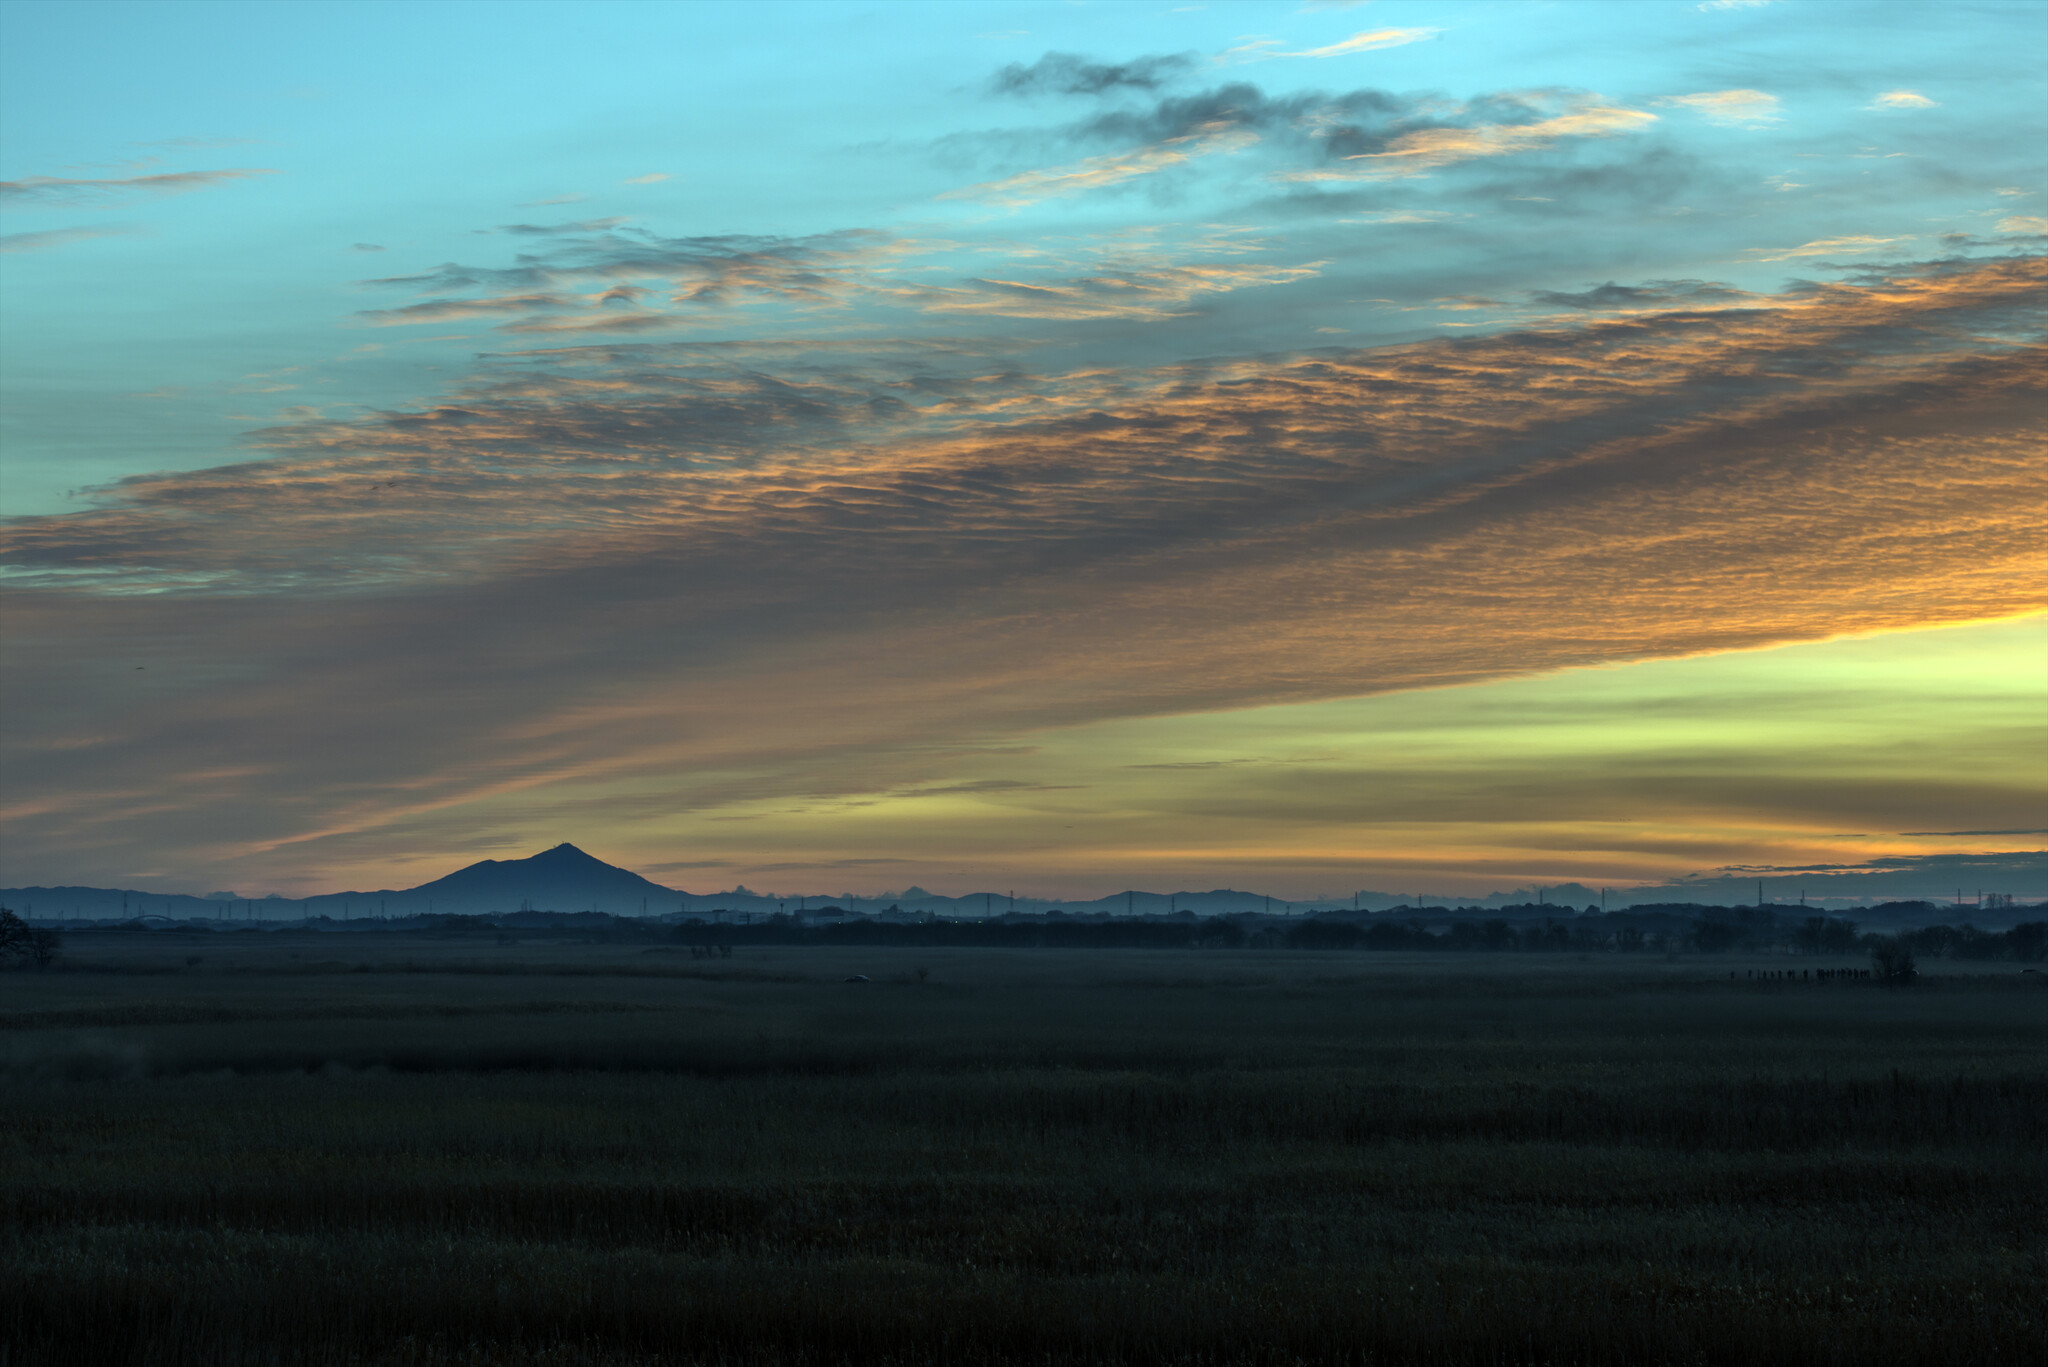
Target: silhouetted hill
{"type": "Point", "coordinates": [561, 879]}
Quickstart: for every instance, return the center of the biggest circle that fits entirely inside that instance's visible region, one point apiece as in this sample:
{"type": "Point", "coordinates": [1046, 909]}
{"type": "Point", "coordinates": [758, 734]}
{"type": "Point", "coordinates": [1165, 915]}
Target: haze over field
{"type": "Point", "coordinates": [1455, 447]}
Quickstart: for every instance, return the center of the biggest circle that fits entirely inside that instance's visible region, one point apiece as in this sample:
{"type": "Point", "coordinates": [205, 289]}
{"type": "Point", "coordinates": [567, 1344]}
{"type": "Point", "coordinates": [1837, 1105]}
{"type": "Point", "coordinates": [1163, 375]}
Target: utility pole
{"type": "Point", "coordinates": [1130, 902]}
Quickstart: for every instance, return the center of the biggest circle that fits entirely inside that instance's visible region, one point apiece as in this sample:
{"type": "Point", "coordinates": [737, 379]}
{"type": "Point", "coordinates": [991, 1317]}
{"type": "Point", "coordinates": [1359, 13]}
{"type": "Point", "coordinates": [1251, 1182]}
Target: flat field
{"type": "Point", "coordinates": [364, 1149]}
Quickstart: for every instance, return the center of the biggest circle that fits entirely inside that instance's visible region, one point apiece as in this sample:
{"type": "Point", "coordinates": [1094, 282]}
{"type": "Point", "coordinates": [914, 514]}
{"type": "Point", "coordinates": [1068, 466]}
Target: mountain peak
{"type": "Point", "coordinates": [563, 878]}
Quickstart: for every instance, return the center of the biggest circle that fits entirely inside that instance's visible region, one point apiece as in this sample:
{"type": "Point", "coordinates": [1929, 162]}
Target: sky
{"type": "Point", "coordinates": [1052, 446]}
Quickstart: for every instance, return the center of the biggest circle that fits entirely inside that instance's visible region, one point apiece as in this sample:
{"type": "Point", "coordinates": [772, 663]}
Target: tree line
{"type": "Point", "coordinates": [1705, 930]}
{"type": "Point", "coordinates": [1619, 934]}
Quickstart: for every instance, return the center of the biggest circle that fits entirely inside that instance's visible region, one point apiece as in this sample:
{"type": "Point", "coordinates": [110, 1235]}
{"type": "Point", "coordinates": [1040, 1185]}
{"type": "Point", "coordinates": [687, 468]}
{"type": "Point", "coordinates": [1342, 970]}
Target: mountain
{"type": "Point", "coordinates": [561, 879]}
{"type": "Point", "coordinates": [567, 879]}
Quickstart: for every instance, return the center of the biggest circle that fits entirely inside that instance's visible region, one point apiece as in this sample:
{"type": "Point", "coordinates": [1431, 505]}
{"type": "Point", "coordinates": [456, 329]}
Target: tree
{"type": "Point", "coordinates": [1825, 935]}
{"type": "Point", "coordinates": [19, 941]}
{"type": "Point", "coordinates": [1892, 962]}
{"type": "Point", "coordinates": [1320, 934]}
{"type": "Point", "coordinates": [2029, 940]}
{"type": "Point", "coordinates": [1714, 937]}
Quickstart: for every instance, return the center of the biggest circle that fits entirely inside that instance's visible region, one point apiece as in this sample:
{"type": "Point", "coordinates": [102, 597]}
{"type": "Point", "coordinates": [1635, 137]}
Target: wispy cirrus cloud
{"type": "Point", "coordinates": [1655, 295]}
{"type": "Point", "coordinates": [2018, 830]}
{"type": "Point", "coordinates": [440, 310]}
{"type": "Point", "coordinates": [62, 190]}
{"type": "Point", "coordinates": [1903, 99]}
{"type": "Point", "coordinates": [1826, 246]}
{"type": "Point", "coordinates": [609, 406]}
{"type": "Point", "coordinates": [1260, 49]}
{"type": "Point", "coordinates": [978, 549]}
{"type": "Point", "coordinates": [1095, 173]}
{"type": "Point", "coordinates": [60, 237]}
{"type": "Point", "coordinates": [1736, 108]}
{"type": "Point", "coordinates": [649, 283]}
{"type": "Point", "coordinates": [586, 225]}
{"type": "Point", "coordinates": [822, 269]}
{"type": "Point", "coordinates": [596, 321]}
{"type": "Point", "coordinates": [1135, 288]}
{"type": "Point", "coordinates": [1068, 73]}
{"type": "Point", "coordinates": [1423, 150]}
{"type": "Point", "coordinates": [1305, 137]}
{"type": "Point", "coordinates": [1371, 40]}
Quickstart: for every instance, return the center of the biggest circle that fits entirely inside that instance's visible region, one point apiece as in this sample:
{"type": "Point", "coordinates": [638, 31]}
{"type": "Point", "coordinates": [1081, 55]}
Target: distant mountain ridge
{"type": "Point", "coordinates": [564, 878]}
{"type": "Point", "coordinates": [567, 879]}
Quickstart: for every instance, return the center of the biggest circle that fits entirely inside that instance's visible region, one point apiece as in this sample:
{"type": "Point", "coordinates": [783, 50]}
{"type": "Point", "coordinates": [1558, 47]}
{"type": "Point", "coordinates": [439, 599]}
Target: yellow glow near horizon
{"type": "Point", "coordinates": [1842, 751]}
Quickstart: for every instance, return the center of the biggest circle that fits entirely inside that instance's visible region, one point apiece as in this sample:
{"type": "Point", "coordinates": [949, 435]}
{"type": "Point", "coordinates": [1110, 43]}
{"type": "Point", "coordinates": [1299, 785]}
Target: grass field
{"type": "Point", "coordinates": [399, 1151]}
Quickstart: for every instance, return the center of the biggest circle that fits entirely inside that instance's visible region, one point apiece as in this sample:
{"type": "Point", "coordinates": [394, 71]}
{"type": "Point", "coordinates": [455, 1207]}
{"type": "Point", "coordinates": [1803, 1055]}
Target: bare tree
{"type": "Point", "coordinates": [14, 936]}
{"type": "Point", "coordinates": [1892, 962]}
{"type": "Point", "coordinates": [19, 941]}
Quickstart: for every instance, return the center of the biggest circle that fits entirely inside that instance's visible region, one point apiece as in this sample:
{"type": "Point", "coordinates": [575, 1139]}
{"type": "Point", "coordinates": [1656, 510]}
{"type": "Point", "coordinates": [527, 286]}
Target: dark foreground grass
{"type": "Point", "coordinates": [1027, 1159]}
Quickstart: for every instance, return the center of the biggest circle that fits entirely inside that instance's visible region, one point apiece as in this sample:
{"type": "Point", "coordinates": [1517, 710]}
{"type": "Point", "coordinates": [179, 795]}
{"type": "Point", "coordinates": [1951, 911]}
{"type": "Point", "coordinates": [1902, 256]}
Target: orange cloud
{"type": "Point", "coordinates": [652, 582]}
